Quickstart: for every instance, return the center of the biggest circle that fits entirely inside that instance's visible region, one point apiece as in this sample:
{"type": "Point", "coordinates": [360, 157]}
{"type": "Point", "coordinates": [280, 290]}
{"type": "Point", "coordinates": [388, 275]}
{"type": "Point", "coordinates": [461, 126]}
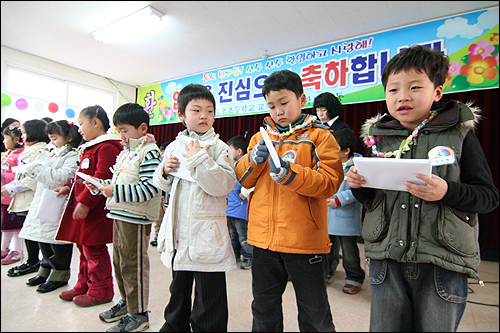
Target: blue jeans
{"type": "Point", "coordinates": [409, 297]}
{"type": "Point", "coordinates": [351, 261]}
{"type": "Point", "coordinates": [270, 272]}
{"type": "Point", "coordinates": [238, 230]}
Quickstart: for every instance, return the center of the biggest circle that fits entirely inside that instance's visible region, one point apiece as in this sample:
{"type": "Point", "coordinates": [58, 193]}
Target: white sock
{"type": "Point", "coordinates": [6, 237]}
{"type": "Point", "coordinates": [17, 243]}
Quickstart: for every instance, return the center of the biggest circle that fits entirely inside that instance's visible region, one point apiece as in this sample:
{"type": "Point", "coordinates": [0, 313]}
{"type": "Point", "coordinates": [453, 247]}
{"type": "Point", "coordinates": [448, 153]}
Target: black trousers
{"type": "Point", "coordinates": [210, 308]}
{"type": "Point", "coordinates": [270, 272]}
{"type": "Point", "coordinates": [32, 247]}
{"type": "Point", "coordinates": [56, 256]}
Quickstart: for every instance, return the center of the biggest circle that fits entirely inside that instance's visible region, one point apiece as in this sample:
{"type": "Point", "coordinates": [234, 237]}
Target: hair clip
{"type": "Point", "coordinates": [11, 128]}
{"type": "Point", "coordinates": [70, 123]}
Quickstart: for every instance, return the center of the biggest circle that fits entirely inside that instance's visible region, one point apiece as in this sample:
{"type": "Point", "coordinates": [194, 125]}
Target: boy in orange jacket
{"type": "Point", "coordinates": [287, 212]}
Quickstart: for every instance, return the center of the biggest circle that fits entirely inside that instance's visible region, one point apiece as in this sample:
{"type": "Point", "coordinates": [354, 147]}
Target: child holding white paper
{"type": "Point", "coordinates": [134, 204]}
{"type": "Point", "coordinates": [423, 244]}
{"type": "Point", "coordinates": [193, 239]}
{"type": "Point", "coordinates": [84, 220]}
{"type": "Point", "coordinates": [22, 189]}
{"type": "Point", "coordinates": [59, 168]}
{"type": "Point", "coordinates": [287, 212]}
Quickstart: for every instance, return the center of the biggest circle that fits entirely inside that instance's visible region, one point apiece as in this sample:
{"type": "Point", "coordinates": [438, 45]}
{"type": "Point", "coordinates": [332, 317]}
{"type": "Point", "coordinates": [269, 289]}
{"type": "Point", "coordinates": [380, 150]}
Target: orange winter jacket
{"type": "Point", "coordinates": [291, 216]}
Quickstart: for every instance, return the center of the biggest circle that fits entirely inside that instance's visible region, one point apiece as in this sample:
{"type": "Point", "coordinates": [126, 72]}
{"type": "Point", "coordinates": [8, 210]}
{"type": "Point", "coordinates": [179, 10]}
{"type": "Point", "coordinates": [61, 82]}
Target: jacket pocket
{"type": "Point", "coordinates": [456, 234]}
{"type": "Point", "coordinates": [375, 224]}
{"type": "Point", "coordinates": [206, 245]}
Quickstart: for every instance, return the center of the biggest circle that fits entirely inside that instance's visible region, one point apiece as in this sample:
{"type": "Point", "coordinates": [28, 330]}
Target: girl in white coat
{"type": "Point", "coordinates": [61, 166]}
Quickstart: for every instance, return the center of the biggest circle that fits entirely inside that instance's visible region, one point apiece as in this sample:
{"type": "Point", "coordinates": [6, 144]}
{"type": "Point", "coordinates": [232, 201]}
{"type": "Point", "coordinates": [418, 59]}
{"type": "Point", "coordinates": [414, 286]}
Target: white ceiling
{"type": "Point", "coordinates": [202, 35]}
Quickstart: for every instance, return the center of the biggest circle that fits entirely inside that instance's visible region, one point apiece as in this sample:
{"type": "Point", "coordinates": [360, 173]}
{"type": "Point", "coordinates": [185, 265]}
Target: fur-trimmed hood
{"type": "Point", "coordinates": [449, 113]}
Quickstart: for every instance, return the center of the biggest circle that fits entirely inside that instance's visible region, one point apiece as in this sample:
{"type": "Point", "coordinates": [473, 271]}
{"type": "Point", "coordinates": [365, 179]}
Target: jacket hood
{"type": "Point", "coordinates": [467, 116]}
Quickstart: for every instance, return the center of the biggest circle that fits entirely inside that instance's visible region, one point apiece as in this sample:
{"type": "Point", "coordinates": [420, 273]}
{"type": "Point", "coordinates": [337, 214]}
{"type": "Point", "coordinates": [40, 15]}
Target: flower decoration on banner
{"type": "Point", "coordinates": [38, 106]}
{"type": "Point", "coordinates": [21, 104]}
{"type": "Point", "coordinates": [478, 65]}
{"type": "Point", "coordinates": [70, 113]}
{"type": "Point", "coordinates": [482, 48]}
{"type": "Point", "coordinates": [170, 113]}
{"type": "Point", "coordinates": [53, 107]}
{"type": "Point", "coordinates": [6, 100]}
{"type": "Point", "coordinates": [479, 69]}
{"type": "Point", "coordinates": [454, 68]}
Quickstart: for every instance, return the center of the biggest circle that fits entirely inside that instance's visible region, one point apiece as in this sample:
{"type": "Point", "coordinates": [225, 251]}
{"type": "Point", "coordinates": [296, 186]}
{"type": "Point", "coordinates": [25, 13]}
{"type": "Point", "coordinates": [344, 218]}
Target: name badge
{"type": "Point", "coordinates": [85, 164]}
{"type": "Point", "coordinates": [441, 155]}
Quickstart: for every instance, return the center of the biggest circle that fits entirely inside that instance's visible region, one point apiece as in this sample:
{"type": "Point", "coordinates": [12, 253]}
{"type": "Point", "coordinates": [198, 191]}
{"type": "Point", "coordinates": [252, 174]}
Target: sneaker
{"type": "Point", "coordinates": [154, 242]}
{"type": "Point", "coordinates": [11, 258]}
{"type": "Point", "coordinates": [246, 263]}
{"type": "Point", "coordinates": [23, 269]}
{"type": "Point", "coordinates": [117, 312]}
{"type": "Point", "coordinates": [131, 323]}
{"type": "Point", "coordinates": [5, 253]}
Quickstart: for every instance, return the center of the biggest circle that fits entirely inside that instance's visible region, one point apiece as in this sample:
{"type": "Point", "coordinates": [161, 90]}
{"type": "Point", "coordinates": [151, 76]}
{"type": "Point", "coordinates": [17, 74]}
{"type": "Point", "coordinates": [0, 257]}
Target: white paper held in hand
{"type": "Point", "coordinates": [89, 179]}
{"type": "Point", "coordinates": [270, 147]}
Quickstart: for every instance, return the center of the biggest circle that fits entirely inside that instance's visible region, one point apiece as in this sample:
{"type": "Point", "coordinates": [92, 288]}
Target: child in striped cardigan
{"type": "Point", "coordinates": [134, 204]}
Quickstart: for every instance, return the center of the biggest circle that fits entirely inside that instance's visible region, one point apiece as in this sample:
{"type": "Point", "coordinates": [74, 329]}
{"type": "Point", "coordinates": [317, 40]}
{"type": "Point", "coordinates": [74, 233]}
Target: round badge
{"type": "Point", "coordinates": [85, 163]}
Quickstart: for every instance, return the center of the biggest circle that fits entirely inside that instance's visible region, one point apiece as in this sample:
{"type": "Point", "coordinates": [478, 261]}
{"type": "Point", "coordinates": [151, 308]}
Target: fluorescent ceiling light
{"type": "Point", "coordinates": [138, 24]}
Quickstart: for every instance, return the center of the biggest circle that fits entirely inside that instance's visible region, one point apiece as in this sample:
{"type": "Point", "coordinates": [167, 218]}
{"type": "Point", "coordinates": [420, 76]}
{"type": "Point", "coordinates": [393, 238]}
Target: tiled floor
{"type": "Point", "coordinates": [25, 310]}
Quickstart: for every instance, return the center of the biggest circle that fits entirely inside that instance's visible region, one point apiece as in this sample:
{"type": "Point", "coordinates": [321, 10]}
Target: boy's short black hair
{"type": "Point", "coordinates": [283, 79]}
{"type": "Point", "coordinates": [421, 59]}
{"type": "Point", "coordinates": [238, 142]}
{"type": "Point", "coordinates": [346, 139]}
{"type": "Point", "coordinates": [98, 112]}
{"type": "Point", "coordinates": [163, 146]}
{"type": "Point", "coordinates": [131, 114]}
{"type": "Point", "coordinates": [330, 102]}
{"type": "Point", "coordinates": [35, 131]}
{"type": "Point", "coordinates": [193, 91]}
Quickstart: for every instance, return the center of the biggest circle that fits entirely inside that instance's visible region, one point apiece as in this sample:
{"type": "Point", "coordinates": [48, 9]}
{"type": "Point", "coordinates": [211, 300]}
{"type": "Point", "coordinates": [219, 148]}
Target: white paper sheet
{"type": "Point", "coordinates": [182, 141]}
{"type": "Point", "coordinates": [51, 207]}
{"type": "Point", "coordinates": [89, 179]}
{"type": "Point", "coordinates": [390, 173]}
{"type": "Point", "coordinates": [270, 147]}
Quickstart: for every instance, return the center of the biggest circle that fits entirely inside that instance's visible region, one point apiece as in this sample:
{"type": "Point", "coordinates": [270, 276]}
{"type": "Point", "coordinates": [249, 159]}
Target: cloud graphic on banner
{"type": "Point", "coordinates": [488, 19]}
{"type": "Point", "coordinates": [171, 88]}
{"type": "Point", "coordinates": [458, 27]}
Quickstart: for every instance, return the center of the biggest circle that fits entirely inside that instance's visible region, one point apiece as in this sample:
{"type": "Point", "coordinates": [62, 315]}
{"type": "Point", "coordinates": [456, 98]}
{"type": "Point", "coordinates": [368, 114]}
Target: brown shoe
{"type": "Point", "coordinates": [87, 300]}
{"type": "Point", "coordinates": [350, 289]}
{"type": "Point", "coordinates": [68, 295]}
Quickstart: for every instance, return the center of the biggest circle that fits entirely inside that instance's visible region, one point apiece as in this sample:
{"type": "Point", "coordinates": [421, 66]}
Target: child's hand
{"type": "Point", "coordinates": [61, 190]}
{"type": "Point", "coordinates": [279, 174]}
{"type": "Point", "coordinates": [5, 193]}
{"type": "Point", "coordinates": [81, 212]}
{"type": "Point", "coordinates": [435, 189]}
{"type": "Point", "coordinates": [107, 190]}
{"type": "Point", "coordinates": [90, 186]}
{"type": "Point", "coordinates": [171, 164]}
{"type": "Point", "coordinates": [259, 153]}
{"type": "Point", "coordinates": [193, 147]}
{"type": "Point", "coordinates": [353, 179]}
{"type": "Point", "coordinates": [331, 203]}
